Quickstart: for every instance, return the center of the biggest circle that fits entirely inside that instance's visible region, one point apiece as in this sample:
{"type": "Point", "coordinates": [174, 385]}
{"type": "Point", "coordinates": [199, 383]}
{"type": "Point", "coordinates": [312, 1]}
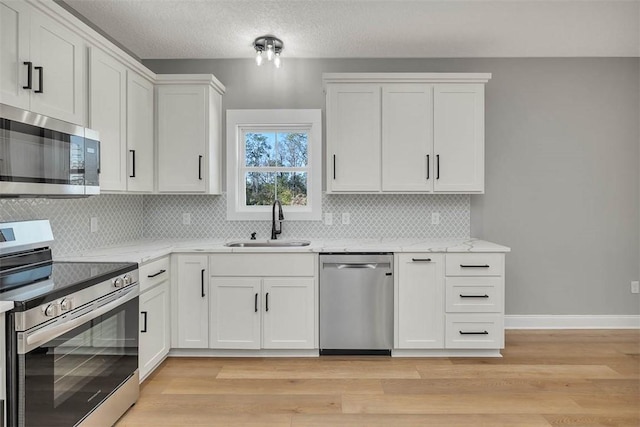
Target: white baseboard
{"type": "Point", "coordinates": [571, 322]}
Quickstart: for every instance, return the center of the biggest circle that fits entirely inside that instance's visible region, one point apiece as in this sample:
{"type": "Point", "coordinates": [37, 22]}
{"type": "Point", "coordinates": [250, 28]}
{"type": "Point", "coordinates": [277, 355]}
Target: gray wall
{"type": "Point", "coordinates": [562, 150]}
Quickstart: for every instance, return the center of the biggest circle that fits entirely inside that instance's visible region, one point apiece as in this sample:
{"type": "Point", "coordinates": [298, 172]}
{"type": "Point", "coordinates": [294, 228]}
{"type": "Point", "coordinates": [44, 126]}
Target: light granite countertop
{"type": "Point", "coordinates": [5, 306]}
{"type": "Point", "coordinates": [142, 251]}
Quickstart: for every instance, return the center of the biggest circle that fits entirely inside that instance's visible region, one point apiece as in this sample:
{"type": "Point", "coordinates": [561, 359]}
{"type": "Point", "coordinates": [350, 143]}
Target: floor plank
{"type": "Point", "coordinates": [546, 378]}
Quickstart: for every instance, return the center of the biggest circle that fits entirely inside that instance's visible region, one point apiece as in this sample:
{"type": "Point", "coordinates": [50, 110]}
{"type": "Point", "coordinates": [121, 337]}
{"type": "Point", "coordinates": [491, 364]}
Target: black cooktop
{"type": "Point", "coordinates": [38, 285]}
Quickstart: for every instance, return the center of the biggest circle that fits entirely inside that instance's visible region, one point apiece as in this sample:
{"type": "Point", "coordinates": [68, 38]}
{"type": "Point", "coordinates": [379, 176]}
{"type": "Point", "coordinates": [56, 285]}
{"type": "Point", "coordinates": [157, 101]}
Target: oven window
{"type": "Point", "coordinates": [66, 378]}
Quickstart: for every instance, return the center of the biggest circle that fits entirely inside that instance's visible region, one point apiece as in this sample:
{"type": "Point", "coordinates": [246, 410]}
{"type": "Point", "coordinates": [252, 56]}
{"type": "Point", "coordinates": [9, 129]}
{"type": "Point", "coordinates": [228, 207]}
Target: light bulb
{"type": "Point", "coordinates": [259, 57]}
{"type": "Point", "coordinates": [277, 61]}
{"type": "Point", "coordinates": [270, 50]}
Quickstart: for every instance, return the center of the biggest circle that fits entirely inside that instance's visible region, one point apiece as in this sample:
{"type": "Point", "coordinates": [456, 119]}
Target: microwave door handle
{"type": "Point", "coordinates": [40, 337]}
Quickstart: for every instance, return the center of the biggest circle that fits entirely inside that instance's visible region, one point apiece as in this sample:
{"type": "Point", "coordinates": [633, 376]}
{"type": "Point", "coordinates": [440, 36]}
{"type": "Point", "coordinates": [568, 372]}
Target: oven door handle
{"type": "Point", "coordinates": [32, 340]}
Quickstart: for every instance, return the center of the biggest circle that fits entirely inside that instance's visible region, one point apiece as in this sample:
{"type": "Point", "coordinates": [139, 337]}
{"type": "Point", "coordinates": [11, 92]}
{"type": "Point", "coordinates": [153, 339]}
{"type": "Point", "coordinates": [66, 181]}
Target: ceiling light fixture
{"type": "Point", "coordinates": [272, 46]}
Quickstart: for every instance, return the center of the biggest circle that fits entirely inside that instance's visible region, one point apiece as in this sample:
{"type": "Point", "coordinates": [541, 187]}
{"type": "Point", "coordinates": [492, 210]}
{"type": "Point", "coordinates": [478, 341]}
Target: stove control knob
{"type": "Point", "coordinates": [118, 282]}
{"type": "Point", "coordinates": [127, 279]}
{"type": "Point", "coordinates": [50, 310]}
{"type": "Point", "coordinates": [66, 304]}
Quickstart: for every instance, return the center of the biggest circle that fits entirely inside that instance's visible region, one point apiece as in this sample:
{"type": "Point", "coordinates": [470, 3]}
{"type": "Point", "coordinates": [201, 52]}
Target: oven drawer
{"type": "Point", "coordinates": [476, 264]}
{"type": "Point", "coordinates": [474, 294]}
{"type": "Point", "coordinates": [482, 331]}
{"type": "Point", "coordinates": [154, 273]}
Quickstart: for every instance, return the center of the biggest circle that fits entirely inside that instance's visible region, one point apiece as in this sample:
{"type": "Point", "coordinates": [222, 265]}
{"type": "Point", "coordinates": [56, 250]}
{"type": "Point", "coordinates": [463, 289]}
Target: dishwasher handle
{"type": "Point", "coordinates": [370, 265]}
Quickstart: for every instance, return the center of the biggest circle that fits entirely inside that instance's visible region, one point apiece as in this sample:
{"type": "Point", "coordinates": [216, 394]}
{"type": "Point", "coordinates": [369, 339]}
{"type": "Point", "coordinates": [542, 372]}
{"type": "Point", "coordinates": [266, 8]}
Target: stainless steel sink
{"type": "Point", "coordinates": [268, 243]}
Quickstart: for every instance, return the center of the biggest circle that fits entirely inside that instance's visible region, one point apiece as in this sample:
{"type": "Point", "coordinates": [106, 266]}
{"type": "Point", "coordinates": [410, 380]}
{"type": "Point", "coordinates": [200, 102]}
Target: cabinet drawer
{"type": "Point", "coordinates": [263, 264]}
{"type": "Point", "coordinates": [474, 331]}
{"type": "Point", "coordinates": [478, 264]}
{"type": "Point", "coordinates": [154, 273]}
{"type": "Point", "coordinates": [474, 294]}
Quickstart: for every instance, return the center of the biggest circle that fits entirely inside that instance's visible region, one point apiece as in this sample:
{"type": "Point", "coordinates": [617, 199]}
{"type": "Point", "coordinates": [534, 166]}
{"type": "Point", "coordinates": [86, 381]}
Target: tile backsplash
{"type": "Point", "coordinates": [119, 219]}
{"type": "Point", "coordinates": [371, 216]}
{"type": "Point", "coordinates": [129, 217]}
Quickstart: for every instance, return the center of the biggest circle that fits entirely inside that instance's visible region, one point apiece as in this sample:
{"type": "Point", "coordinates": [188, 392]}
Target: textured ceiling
{"type": "Point", "coordinates": [370, 29]}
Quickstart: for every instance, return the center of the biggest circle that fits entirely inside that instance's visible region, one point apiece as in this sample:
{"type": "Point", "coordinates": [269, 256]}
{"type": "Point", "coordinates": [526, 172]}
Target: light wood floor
{"type": "Point", "coordinates": [568, 378]}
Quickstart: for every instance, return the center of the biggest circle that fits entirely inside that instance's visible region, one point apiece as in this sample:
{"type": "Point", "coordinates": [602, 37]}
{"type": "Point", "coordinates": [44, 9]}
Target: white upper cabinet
{"type": "Point", "coordinates": [14, 52]}
{"type": "Point", "coordinates": [459, 137]}
{"type": "Point", "coordinates": [140, 159]}
{"type": "Point", "coordinates": [353, 137]}
{"type": "Point", "coordinates": [52, 82]}
{"type": "Point", "coordinates": [407, 137]}
{"type": "Point", "coordinates": [405, 132]}
{"type": "Point", "coordinates": [121, 110]}
{"type": "Point", "coordinates": [108, 116]}
{"type": "Point", "coordinates": [189, 117]}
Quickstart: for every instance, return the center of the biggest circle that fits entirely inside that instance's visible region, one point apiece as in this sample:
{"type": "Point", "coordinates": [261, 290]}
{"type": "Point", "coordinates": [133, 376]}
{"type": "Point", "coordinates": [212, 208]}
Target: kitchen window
{"type": "Point", "coordinates": [273, 154]}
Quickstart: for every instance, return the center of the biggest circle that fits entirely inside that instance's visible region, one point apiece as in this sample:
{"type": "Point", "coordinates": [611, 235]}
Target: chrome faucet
{"type": "Point", "coordinates": [274, 232]}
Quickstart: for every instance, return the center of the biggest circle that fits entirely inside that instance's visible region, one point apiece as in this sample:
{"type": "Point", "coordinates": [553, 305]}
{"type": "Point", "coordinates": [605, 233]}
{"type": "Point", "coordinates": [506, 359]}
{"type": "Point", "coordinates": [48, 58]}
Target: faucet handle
{"type": "Point", "coordinates": [253, 236]}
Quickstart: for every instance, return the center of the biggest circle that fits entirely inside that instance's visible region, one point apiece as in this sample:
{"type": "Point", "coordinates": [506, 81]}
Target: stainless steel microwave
{"type": "Point", "coordinates": [41, 156]}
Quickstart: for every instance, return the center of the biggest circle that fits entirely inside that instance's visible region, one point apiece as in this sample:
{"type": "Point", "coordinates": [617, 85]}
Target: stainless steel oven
{"type": "Point", "coordinates": [72, 337]}
{"type": "Point", "coordinates": [41, 156]}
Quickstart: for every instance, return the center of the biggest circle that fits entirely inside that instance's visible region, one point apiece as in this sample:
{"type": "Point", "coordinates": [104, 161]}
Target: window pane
{"type": "Point", "coordinates": [292, 149]}
{"type": "Point", "coordinates": [260, 148]}
{"type": "Point", "coordinates": [260, 188]}
{"type": "Point", "coordinates": [292, 188]}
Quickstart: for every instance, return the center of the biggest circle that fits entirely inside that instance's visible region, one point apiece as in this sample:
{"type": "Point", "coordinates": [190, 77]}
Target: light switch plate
{"type": "Point", "coordinates": [346, 218]}
{"type": "Point", "coordinates": [435, 218]}
{"type": "Point", "coordinates": [635, 287]}
{"type": "Point", "coordinates": [186, 218]}
{"type": "Point", "coordinates": [328, 219]}
{"type": "Point", "coordinates": [94, 224]}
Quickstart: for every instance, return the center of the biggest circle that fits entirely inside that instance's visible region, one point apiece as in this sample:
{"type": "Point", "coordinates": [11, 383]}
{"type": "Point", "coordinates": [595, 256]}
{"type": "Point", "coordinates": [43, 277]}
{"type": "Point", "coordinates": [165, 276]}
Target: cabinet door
{"type": "Point", "coordinates": [107, 101]}
{"type": "Point", "coordinates": [459, 137]}
{"type": "Point", "coordinates": [353, 137]}
{"type": "Point", "coordinates": [407, 137]}
{"type": "Point", "coordinates": [61, 54]}
{"type": "Point", "coordinates": [235, 313]}
{"type": "Point", "coordinates": [421, 300]}
{"type": "Point", "coordinates": [14, 51]}
{"type": "Point", "coordinates": [193, 302]}
{"type": "Point", "coordinates": [154, 328]}
{"type": "Point", "coordinates": [288, 318]}
{"type": "Point", "coordinates": [182, 115]}
{"type": "Point", "coordinates": [139, 133]}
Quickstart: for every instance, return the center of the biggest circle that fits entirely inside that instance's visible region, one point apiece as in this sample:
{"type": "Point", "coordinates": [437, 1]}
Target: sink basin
{"type": "Point", "coordinates": [268, 243]}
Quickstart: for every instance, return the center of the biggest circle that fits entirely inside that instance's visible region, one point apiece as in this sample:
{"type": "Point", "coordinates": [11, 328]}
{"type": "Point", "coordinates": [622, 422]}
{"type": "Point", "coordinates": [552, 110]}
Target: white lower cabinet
{"type": "Point", "coordinates": [235, 312]}
{"type": "Point", "coordinates": [269, 313]}
{"type": "Point", "coordinates": [155, 333]}
{"type": "Point", "coordinates": [154, 328]}
{"type": "Point", "coordinates": [420, 311]}
{"type": "Point", "coordinates": [192, 301]}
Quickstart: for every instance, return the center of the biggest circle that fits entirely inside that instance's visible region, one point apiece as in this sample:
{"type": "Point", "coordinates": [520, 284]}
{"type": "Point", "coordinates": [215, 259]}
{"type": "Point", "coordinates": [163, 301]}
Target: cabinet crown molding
{"type": "Point", "coordinates": [405, 78]}
{"type": "Point", "coordinates": [191, 79]}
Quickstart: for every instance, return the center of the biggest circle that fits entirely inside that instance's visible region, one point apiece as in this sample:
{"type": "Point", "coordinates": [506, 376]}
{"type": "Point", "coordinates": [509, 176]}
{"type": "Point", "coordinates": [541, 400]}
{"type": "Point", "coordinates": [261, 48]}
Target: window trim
{"type": "Point", "coordinates": [237, 121]}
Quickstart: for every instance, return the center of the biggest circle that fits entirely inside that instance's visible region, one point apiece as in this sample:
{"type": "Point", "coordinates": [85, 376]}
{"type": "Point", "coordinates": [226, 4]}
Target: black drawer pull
{"type": "Point", "coordinates": [334, 166]}
{"type": "Point", "coordinates": [29, 65]}
{"type": "Point", "coordinates": [474, 333]}
{"type": "Point", "coordinates": [428, 167]}
{"type": "Point", "coordinates": [267, 301]}
{"type": "Point", "coordinates": [474, 296]}
{"type": "Point", "coordinates": [150, 276]}
{"type": "Point", "coordinates": [202, 282]}
{"type": "Point", "coordinates": [133, 163]}
{"type": "Point", "coordinates": [474, 266]}
{"type": "Point", "coordinates": [40, 79]}
{"type": "Point", "coordinates": [144, 328]}
{"type": "Point", "coordinates": [421, 259]}
{"type": "Point", "coordinates": [200, 167]}
{"type": "Point", "coordinates": [437, 166]}
{"type": "Point", "coordinates": [255, 304]}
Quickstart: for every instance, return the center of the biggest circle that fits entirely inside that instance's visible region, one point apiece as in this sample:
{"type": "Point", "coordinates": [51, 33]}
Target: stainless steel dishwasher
{"type": "Point", "coordinates": [356, 304]}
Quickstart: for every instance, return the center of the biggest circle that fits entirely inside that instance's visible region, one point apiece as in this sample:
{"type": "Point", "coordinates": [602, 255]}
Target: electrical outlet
{"type": "Point", "coordinates": [94, 224]}
{"type": "Point", "coordinates": [435, 218]}
{"type": "Point", "coordinates": [635, 287]}
{"type": "Point", "coordinates": [186, 218]}
{"type": "Point", "coordinates": [328, 219]}
{"type": "Point", "coordinates": [346, 218]}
